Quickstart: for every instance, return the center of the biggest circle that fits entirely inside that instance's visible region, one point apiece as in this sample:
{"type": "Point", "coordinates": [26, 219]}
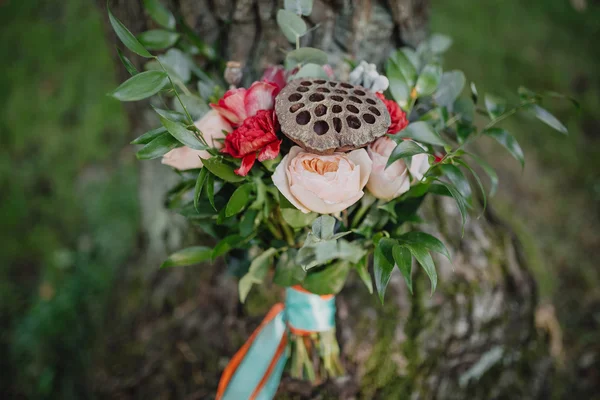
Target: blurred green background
{"type": "Point", "coordinates": [69, 207]}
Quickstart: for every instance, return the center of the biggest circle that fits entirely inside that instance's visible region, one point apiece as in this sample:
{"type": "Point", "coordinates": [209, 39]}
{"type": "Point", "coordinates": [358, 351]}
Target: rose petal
{"type": "Point", "coordinates": [260, 96]}
{"type": "Point", "coordinates": [270, 151]}
{"type": "Point", "coordinates": [280, 179]}
{"type": "Point", "coordinates": [275, 74]}
{"type": "Point", "coordinates": [360, 157]}
{"type": "Point", "coordinates": [212, 125]}
{"type": "Point", "coordinates": [314, 203]}
{"type": "Point", "coordinates": [247, 163]}
{"type": "Point", "coordinates": [232, 106]}
{"type": "Point", "coordinates": [183, 158]}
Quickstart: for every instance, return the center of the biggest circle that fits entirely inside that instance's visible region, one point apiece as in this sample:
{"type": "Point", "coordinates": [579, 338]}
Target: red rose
{"type": "Point", "coordinates": [397, 116]}
{"type": "Point", "coordinates": [255, 135]}
{"type": "Point", "coordinates": [238, 104]}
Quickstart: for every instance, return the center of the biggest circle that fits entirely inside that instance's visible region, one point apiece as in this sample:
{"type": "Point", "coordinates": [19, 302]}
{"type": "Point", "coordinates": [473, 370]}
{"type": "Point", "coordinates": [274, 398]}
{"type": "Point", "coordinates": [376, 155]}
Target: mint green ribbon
{"type": "Point", "coordinates": [303, 311]}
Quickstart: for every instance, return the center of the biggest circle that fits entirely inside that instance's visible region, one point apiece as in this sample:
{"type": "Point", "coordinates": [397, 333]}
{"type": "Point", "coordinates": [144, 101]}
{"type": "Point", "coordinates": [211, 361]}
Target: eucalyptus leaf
{"type": "Point", "coordinates": [403, 260]}
{"type": "Point", "coordinates": [323, 227]}
{"type": "Point", "coordinates": [287, 272]}
{"type": "Point", "coordinates": [141, 86]}
{"type": "Point", "coordinates": [311, 71]}
{"type": "Point", "coordinates": [508, 141]}
{"type": "Point", "coordinates": [127, 37]}
{"type": "Point", "coordinates": [158, 39]}
{"type": "Point", "coordinates": [189, 256]}
{"type": "Point", "coordinates": [222, 170]}
{"type": "Point", "coordinates": [239, 199]}
{"type": "Point", "coordinates": [292, 26]}
{"type": "Point", "coordinates": [465, 109]}
{"type": "Point", "coordinates": [404, 149]}
{"type": "Point", "coordinates": [302, 7]}
{"type": "Point", "coordinates": [438, 43]}
{"type": "Point", "coordinates": [399, 87]}
{"type": "Point", "coordinates": [178, 64]}
{"type": "Point", "coordinates": [182, 134]}
{"type": "Point", "coordinates": [296, 218]}
{"type": "Point", "coordinates": [158, 147]}
{"type": "Point", "coordinates": [305, 55]}
{"type": "Point", "coordinates": [405, 67]}
{"type": "Point", "coordinates": [420, 131]}
{"type": "Point", "coordinates": [160, 13]}
{"type": "Point", "coordinates": [429, 80]}
{"type": "Point", "coordinates": [256, 273]}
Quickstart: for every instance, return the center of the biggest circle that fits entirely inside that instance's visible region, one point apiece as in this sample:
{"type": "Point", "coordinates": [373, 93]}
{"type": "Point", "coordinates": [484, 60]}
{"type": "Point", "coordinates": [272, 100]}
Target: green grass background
{"type": "Point", "coordinates": [68, 201]}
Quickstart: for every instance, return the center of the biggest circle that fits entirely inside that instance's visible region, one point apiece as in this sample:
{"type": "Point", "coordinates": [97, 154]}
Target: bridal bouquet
{"type": "Point", "coordinates": [306, 176]}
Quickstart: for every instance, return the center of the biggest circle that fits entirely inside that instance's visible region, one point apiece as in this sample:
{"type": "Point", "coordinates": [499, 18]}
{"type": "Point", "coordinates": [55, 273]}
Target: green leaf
{"type": "Point", "coordinates": [420, 252]}
{"type": "Point", "coordinates": [248, 222]}
{"type": "Point", "coordinates": [178, 64]}
{"type": "Point", "coordinates": [413, 57]}
{"type": "Point", "coordinates": [291, 25]}
{"type": "Point", "coordinates": [227, 244]}
{"type": "Point", "coordinates": [171, 115]}
{"type": "Point", "coordinates": [421, 132]}
{"type": "Point", "coordinates": [149, 136]}
{"type": "Point", "coordinates": [430, 242]}
{"type": "Point", "coordinates": [305, 55]}
{"type": "Point", "coordinates": [463, 131]}
{"type": "Point", "coordinates": [429, 79]}
{"type": "Point", "coordinates": [458, 179]}
{"type": "Point", "coordinates": [465, 109]}
{"type": "Point", "coordinates": [494, 105]}
{"type": "Point", "coordinates": [296, 218]}
{"type": "Point", "coordinates": [406, 148]}
{"type": "Point", "coordinates": [160, 13]}
{"type": "Point", "coordinates": [403, 259]}
{"type": "Point", "coordinates": [543, 115]}
{"type": "Point", "coordinates": [239, 199]}
{"type": "Point", "coordinates": [127, 37]}
{"type": "Point", "coordinates": [460, 201]}
{"type": "Point", "coordinates": [141, 86]}
{"type": "Point", "coordinates": [302, 7]}
{"type": "Point", "coordinates": [287, 272]}
{"type": "Point", "coordinates": [383, 264]}
{"type": "Point", "coordinates": [218, 167]}
{"type": "Point", "coordinates": [474, 93]}
{"type": "Point", "coordinates": [399, 87]}
{"type": "Point", "coordinates": [210, 190]}
{"type": "Point", "coordinates": [451, 86]}
{"type": "Point", "coordinates": [256, 273]}
{"type": "Point", "coordinates": [311, 71]}
{"type": "Point", "coordinates": [158, 39]}
{"type": "Point", "coordinates": [477, 179]}
{"type": "Point", "coordinates": [438, 43]}
{"type": "Point", "coordinates": [509, 143]}
{"type": "Point", "coordinates": [198, 187]}
{"type": "Point", "coordinates": [189, 256]}
{"type": "Point", "coordinates": [181, 133]}
{"type": "Point", "coordinates": [157, 147]}
{"type": "Point", "coordinates": [362, 268]}
{"type": "Point", "coordinates": [323, 227]}
{"type": "Point", "coordinates": [489, 170]}
{"type": "Point", "coordinates": [128, 65]}
{"type": "Point", "coordinates": [329, 280]}
{"type": "Point", "coordinates": [405, 67]}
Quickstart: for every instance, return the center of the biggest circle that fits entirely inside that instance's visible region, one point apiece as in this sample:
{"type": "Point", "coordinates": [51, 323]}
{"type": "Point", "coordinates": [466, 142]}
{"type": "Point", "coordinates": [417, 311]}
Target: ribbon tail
{"type": "Point", "coordinates": [255, 370]}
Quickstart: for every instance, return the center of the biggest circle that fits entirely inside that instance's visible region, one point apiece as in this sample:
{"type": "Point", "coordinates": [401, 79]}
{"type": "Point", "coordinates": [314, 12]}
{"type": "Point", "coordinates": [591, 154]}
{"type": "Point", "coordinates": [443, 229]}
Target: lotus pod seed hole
{"type": "Point", "coordinates": [340, 91]}
{"type": "Point", "coordinates": [355, 99]}
{"type": "Point", "coordinates": [323, 90]}
{"type": "Point", "coordinates": [295, 97]}
{"type": "Point", "coordinates": [303, 118]}
{"type": "Point", "coordinates": [353, 122]}
{"type": "Point", "coordinates": [296, 107]}
{"type": "Point", "coordinates": [346, 85]}
{"type": "Point", "coordinates": [306, 83]}
{"type": "Point", "coordinates": [303, 89]}
{"type": "Point", "coordinates": [337, 98]}
{"type": "Point", "coordinates": [320, 110]}
{"type": "Point", "coordinates": [375, 111]}
{"type": "Point", "coordinates": [336, 109]}
{"type": "Point", "coordinates": [320, 81]}
{"type": "Point", "coordinates": [359, 92]}
{"type": "Point", "coordinates": [337, 124]}
{"type": "Point", "coordinates": [369, 119]}
{"type": "Point", "coordinates": [316, 97]}
{"type": "Point", "coordinates": [352, 109]}
{"type": "Point", "coordinates": [321, 127]}
{"type": "Point", "coordinates": [371, 101]}
{"type": "Point", "coordinates": [333, 84]}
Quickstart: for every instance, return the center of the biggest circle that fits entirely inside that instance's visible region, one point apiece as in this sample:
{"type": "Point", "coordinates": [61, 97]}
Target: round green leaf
{"type": "Point", "coordinates": [311, 71]}
{"type": "Point", "coordinates": [450, 87]}
{"type": "Point", "coordinates": [291, 25]}
{"type": "Point", "coordinates": [429, 79]}
{"type": "Point", "coordinates": [302, 7]}
{"type": "Point", "coordinates": [305, 55]}
{"type": "Point", "coordinates": [141, 86]}
{"type": "Point", "coordinates": [160, 13]}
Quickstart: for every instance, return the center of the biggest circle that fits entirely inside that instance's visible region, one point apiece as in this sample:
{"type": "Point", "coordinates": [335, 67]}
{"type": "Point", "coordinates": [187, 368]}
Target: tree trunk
{"type": "Point", "coordinates": [173, 332]}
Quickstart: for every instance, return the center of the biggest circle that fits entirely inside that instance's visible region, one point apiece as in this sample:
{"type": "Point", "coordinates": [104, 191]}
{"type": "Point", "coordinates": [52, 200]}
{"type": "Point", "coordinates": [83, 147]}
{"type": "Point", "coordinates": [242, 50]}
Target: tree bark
{"type": "Point", "coordinates": [171, 333]}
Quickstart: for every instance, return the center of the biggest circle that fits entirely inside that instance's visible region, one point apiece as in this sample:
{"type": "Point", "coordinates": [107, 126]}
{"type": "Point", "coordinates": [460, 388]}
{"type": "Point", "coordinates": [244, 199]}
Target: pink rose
{"type": "Point", "coordinates": [239, 104]}
{"type": "Point", "coordinates": [389, 183]}
{"type": "Point", "coordinates": [323, 184]}
{"type": "Point", "coordinates": [212, 126]}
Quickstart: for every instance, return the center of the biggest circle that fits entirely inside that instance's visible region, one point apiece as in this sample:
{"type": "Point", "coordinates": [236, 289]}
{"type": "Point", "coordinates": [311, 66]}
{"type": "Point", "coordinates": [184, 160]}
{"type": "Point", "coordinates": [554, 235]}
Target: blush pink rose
{"type": "Point", "coordinates": [389, 183]}
{"type": "Point", "coordinates": [239, 104]}
{"type": "Point", "coordinates": [212, 126]}
{"type": "Point", "coordinates": [323, 184]}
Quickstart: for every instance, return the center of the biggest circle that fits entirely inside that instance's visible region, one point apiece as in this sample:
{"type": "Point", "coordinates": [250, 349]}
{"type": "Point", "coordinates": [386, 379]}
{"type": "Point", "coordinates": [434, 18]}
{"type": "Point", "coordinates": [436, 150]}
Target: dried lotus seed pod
{"type": "Point", "coordinates": [328, 116]}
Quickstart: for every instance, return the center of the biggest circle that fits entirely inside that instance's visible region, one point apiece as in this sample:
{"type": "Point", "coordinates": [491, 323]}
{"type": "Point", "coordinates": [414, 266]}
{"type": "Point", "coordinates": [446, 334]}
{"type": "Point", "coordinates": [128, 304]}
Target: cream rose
{"type": "Point", "coordinates": [323, 184]}
{"type": "Point", "coordinates": [212, 126]}
{"type": "Point", "coordinates": [389, 183]}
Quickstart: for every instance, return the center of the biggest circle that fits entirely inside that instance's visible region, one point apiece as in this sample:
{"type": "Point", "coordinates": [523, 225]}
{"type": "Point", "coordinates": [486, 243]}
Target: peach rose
{"type": "Point", "coordinates": [323, 184]}
{"type": "Point", "coordinates": [389, 183]}
{"type": "Point", "coordinates": [212, 126]}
